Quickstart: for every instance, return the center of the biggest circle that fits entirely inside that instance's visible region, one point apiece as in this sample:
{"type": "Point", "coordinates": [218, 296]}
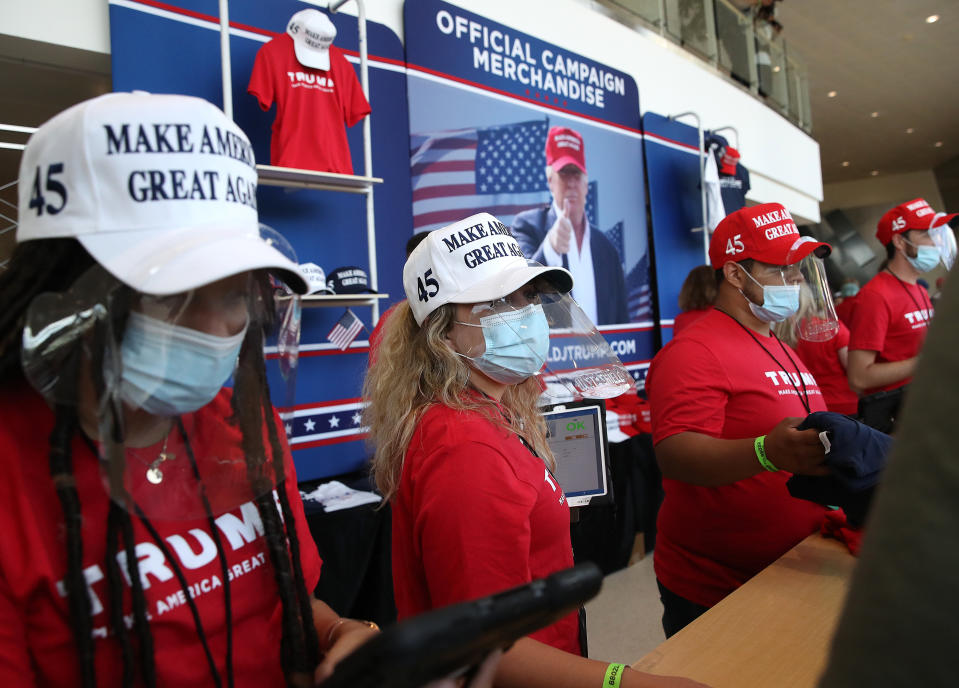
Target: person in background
{"type": "Point", "coordinates": [559, 234]}
{"type": "Point", "coordinates": [847, 300]}
{"type": "Point", "coordinates": [726, 397]}
{"type": "Point", "coordinates": [696, 297]}
{"type": "Point", "coordinates": [892, 311]}
{"type": "Point", "coordinates": [377, 332]}
{"type": "Point", "coordinates": [460, 447]}
{"type": "Point", "coordinates": [827, 362]}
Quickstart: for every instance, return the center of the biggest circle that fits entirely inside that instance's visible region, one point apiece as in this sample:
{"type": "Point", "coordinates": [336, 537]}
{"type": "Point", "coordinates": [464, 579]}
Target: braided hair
{"type": "Point", "coordinates": [53, 265]}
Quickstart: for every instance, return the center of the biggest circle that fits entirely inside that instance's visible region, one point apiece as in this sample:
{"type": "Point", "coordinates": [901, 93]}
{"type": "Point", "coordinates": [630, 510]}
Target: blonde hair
{"type": "Point", "coordinates": [416, 368]}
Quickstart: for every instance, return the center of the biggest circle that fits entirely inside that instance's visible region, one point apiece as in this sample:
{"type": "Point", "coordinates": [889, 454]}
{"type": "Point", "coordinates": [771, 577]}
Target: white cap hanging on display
{"type": "Point", "coordinates": [473, 260]}
{"type": "Point", "coordinates": [312, 33]}
{"type": "Point", "coordinates": [159, 189]}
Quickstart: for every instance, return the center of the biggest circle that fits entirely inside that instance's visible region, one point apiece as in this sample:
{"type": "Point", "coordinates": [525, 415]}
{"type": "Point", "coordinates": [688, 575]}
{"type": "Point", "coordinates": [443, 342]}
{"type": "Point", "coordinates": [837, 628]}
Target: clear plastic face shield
{"type": "Point", "coordinates": [538, 331]}
{"type": "Point", "coordinates": [816, 319]}
{"type": "Point", "coordinates": [145, 373]}
{"type": "Point", "coordinates": [944, 238]}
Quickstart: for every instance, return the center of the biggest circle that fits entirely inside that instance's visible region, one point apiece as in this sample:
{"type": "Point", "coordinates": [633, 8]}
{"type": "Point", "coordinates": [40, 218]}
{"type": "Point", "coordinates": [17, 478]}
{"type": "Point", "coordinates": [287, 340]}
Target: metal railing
{"type": "Point", "coordinates": [727, 34]}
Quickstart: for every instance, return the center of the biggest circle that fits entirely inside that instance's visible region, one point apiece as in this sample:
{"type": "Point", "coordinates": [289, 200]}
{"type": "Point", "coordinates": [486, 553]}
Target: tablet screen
{"type": "Point", "coordinates": [576, 434]}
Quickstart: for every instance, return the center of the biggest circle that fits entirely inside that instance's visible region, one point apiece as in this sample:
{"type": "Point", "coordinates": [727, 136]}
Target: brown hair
{"type": "Point", "coordinates": [699, 289]}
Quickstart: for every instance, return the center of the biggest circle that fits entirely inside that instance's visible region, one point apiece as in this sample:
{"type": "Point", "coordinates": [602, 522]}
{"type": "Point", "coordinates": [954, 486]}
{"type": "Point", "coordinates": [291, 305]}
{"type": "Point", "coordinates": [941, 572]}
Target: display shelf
{"type": "Point", "coordinates": [329, 300]}
{"type": "Point", "coordinates": [310, 179]}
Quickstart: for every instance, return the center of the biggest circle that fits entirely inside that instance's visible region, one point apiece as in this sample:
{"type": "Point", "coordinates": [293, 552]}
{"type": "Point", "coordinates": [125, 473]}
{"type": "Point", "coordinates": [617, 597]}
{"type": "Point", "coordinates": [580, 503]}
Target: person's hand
{"type": "Point", "coordinates": [482, 679]}
{"type": "Point", "coordinates": [349, 636]}
{"type": "Point", "coordinates": [561, 232]}
{"type": "Point", "coordinates": [796, 451]}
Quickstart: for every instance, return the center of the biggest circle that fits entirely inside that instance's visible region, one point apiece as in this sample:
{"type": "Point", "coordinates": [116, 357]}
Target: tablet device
{"type": "Point", "coordinates": [453, 640]}
{"type": "Point", "coordinates": [576, 433]}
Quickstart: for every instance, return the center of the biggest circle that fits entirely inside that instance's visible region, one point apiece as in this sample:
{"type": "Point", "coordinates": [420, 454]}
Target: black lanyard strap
{"type": "Point", "coordinates": [902, 284]}
{"type": "Point", "coordinates": [804, 394]}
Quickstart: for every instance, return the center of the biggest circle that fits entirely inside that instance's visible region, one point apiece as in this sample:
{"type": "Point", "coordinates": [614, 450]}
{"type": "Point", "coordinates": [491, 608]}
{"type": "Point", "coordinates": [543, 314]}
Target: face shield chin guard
{"type": "Point", "coordinates": [816, 319]}
{"type": "Point", "coordinates": [945, 240]}
{"type": "Point", "coordinates": [138, 369]}
{"type": "Point", "coordinates": [543, 333]}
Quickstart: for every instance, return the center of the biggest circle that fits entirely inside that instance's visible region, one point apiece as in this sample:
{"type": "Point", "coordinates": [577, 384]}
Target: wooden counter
{"type": "Point", "coordinates": [773, 632]}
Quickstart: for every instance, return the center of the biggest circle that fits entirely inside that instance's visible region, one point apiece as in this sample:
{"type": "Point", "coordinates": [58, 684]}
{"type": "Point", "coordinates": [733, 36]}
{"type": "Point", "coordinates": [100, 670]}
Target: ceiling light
{"type": "Point", "coordinates": [831, 94]}
{"type": "Point", "coordinates": [932, 18]}
{"type": "Point", "coordinates": [875, 173]}
{"type": "Point", "coordinates": [776, 68]}
{"type": "Point", "coordinates": [910, 130]}
{"type": "Point", "coordinates": [845, 163]}
{"type": "Point", "coordinates": [938, 144]}
{"type": "Point", "coordinates": [874, 114]}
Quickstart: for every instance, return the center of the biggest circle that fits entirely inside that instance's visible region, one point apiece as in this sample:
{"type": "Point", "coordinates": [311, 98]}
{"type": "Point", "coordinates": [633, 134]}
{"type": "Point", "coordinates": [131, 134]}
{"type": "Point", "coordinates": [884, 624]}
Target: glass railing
{"type": "Point", "coordinates": [727, 34]}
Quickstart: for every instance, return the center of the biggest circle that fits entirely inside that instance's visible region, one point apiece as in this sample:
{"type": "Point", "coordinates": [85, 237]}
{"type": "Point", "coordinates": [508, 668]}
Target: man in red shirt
{"type": "Point", "coordinates": [892, 311]}
{"type": "Point", "coordinates": [726, 398]}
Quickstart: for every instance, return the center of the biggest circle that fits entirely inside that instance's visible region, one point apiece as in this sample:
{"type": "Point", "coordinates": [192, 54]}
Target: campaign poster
{"type": "Point", "coordinates": [483, 99]}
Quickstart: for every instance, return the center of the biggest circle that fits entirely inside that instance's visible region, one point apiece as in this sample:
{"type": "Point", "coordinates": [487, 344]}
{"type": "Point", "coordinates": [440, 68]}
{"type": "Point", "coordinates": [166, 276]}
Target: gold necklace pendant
{"type": "Point", "coordinates": [154, 474]}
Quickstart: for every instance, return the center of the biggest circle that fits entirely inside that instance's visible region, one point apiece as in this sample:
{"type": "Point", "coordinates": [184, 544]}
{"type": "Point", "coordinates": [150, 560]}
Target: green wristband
{"type": "Point", "coordinates": [614, 674]}
{"type": "Point", "coordinates": [760, 446]}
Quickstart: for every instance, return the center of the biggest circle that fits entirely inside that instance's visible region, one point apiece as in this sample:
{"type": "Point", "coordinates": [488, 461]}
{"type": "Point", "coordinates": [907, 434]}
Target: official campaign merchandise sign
{"type": "Point", "coordinates": [482, 97]}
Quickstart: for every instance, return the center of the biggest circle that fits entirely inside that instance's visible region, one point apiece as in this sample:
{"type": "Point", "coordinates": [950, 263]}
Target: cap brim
{"type": "Point", "coordinates": [943, 219]}
{"type": "Point", "coordinates": [164, 262]}
{"type": "Point", "coordinates": [310, 57]}
{"type": "Point", "coordinates": [562, 161]}
{"type": "Point", "coordinates": [507, 281]}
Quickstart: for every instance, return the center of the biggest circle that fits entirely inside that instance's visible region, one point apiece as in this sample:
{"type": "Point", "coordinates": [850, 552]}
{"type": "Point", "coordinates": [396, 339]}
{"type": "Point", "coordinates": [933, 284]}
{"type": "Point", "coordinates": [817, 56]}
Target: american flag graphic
{"type": "Point", "coordinates": [345, 330]}
{"type": "Point", "coordinates": [499, 170]}
{"type": "Point", "coordinates": [638, 298]}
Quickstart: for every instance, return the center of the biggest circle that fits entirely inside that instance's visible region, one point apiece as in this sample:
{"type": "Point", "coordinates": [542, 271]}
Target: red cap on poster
{"type": "Point", "coordinates": [564, 146]}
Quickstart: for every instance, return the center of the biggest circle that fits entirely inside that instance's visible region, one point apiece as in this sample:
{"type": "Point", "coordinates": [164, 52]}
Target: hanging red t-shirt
{"type": "Point", "coordinates": [822, 359]}
{"type": "Point", "coordinates": [36, 641]}
{"type": "Point", "coordinates": [312, 107]}
{"type": "Point", "coordinates": [890, 318]}
{"type": "Point", "coordinates": [715, 380]}
{"type": "Point", "coordinates": [476, 513]}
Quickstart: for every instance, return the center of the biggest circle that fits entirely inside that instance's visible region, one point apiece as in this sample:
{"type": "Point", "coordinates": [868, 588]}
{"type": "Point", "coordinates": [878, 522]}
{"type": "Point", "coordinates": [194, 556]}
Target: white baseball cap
{"type": "Point", "coordinates": [159, 189]}
{"type": "Point", "coordinates": [312, 33]}
{"type": "Point", "coordinates": [470, 261]}
{"type": "Point", "coordinates": [316, 278]}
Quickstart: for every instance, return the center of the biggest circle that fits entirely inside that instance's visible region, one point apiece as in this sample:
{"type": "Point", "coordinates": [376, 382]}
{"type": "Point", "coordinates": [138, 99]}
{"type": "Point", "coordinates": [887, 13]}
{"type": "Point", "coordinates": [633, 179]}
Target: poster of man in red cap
{"type": "Point", "coordinates": [544, 139]}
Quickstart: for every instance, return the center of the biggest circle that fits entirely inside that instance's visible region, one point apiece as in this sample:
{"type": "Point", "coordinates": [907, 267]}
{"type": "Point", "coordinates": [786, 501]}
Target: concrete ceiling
{"type": "Point", "coordinates": [879, 56]}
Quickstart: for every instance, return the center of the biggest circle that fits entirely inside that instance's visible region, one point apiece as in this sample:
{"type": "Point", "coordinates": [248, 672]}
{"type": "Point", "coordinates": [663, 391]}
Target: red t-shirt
{"type": "Point", "coordinates": [377, 332]}
{"type": "Point", "coordinates": [311, 107]}
{"type": "Point", "coordinates": [822, 359]}
{"type": "Point", "coordinates": [890, 318]}
{"type": "Point", "coordinates": [476, 513]}
{"type": "Point", "coordinates": [845, 309]}
{"type": "Point", "coordinates": [36, 641]}
{"type": "Point", "coordinates": [687, 318]}
{"type": "Point", "coordinates": [716, 381]}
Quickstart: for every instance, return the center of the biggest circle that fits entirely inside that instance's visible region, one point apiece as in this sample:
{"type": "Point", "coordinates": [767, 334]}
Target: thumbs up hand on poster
{"type": "Point", "coordinates": [562, 230]}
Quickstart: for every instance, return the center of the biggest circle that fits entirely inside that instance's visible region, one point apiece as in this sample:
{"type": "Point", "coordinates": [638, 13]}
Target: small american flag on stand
{"type": "Point", "coordinates": [345, 330]}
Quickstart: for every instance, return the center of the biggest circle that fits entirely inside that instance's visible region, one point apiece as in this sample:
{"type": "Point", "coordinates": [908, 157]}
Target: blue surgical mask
{"type": "Point", "coordinates": [779, 301]}
{"type": "Point", "coordinates": [926, 259]}
{"type": "Point", "coordinates": [517, 343]}
{"type": "Point", "coordinates": [170, 370]}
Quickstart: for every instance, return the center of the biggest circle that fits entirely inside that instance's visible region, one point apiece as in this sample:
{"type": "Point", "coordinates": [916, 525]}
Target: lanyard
{"type": "Point", "coordinates": [804, 394]}
{"type": "Point", "coordinates": [909, 293]}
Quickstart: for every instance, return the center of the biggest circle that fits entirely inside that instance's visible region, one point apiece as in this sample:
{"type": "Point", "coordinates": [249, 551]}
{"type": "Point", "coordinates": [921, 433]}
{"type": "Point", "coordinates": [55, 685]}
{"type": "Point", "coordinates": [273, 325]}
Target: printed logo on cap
{"type": "Point", "coordinates": [349, 280]}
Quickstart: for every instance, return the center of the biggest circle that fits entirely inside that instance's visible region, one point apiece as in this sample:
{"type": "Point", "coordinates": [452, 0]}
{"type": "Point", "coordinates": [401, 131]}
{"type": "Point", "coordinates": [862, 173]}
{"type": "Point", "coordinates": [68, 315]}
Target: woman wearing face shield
{"type": "Point", "coordinates": [460, 448]}
{"type": "Point", "coordinates": [153, 531]}
{"type": "Point", "coordinates": [726, 398]}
